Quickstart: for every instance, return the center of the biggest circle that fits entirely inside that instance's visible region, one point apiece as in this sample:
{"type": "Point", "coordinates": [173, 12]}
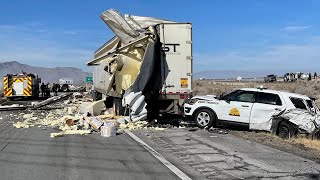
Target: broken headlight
{"type": "Point", "coordinates": [193, 101]}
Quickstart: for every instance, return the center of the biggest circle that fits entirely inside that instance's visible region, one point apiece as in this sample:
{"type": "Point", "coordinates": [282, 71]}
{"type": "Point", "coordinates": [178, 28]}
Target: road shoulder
{"type": "Point", "coordinates": [224, 156]}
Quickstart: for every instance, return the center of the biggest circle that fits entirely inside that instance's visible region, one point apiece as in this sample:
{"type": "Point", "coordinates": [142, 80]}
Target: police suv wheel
{"type": "Point", "coordinates": [286, 130]}
{"type": "Point", "coordinates": [204, 118]}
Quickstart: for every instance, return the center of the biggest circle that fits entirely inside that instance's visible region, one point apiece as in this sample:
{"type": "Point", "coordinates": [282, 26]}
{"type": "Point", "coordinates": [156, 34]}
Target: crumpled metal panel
{"type": "Point", "coordinates": [130, 27]}
{"type": "Point", "coordinates": [302, 118]}
{"type": "Point", "coordinates": [127, 75]}
{"type": "Point", "coordinates": [108, 47]}
{"type": "Point", "coordinates": [119, 26]}
{"type": "Point", "coordinates": [144, 22]}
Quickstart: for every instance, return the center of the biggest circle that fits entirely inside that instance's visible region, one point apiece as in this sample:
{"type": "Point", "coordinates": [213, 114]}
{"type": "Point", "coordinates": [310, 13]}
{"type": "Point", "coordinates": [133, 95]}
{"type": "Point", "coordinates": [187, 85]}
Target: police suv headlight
{"type": "Point", "coordinates": [187, 109]}
{"type": "Point", "coordinates": [193, 101]}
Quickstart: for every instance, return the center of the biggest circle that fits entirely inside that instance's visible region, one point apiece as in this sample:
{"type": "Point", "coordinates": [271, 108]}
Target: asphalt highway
{"type": "Point", "coordinates": [30, 154]}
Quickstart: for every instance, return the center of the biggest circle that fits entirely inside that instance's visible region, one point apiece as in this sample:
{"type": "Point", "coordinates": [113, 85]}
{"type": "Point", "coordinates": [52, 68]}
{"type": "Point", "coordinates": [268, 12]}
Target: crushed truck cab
{"type": "Point", "coordinates": [149, 59]}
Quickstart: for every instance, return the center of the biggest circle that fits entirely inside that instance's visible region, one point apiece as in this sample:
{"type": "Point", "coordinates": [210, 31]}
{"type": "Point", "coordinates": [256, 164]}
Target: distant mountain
{"type": "Point", "coordinates": [51, 75]}
{"type": "Point", "coordinates": [222, 74]}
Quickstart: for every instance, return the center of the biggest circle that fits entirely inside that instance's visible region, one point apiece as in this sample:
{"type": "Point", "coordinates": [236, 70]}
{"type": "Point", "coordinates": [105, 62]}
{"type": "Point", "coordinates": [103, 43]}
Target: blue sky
{"type": "Point", "coordinates": [251, 35]}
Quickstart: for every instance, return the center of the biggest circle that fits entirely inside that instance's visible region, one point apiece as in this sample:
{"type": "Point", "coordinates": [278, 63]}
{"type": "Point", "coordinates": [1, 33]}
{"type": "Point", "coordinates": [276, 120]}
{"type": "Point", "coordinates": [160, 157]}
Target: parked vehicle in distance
{"type": "Point", "coordinates": [270, 78]}
{"type": "Point", "coordinates": [304, 76]}
{"type": "Point", "coordinates": [247, 108]}
{"type": "Point", "coordinates": [65, 84]}
{"type": "Point", "coordinates": [21, 85]}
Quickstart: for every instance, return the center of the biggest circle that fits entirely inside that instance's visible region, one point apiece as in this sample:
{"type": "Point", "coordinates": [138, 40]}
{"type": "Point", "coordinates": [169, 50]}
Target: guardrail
{"type": "Point", "coordinates": [252, 79]}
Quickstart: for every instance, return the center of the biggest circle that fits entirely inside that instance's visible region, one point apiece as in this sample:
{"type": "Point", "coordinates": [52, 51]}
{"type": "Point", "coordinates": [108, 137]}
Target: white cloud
{"type": "Point", "coordinates": [296, 28]}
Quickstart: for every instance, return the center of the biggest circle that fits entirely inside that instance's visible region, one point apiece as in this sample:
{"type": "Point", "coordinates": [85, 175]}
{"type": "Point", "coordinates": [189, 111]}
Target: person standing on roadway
{"type": "Point", "coordinates": [43, 90]}
{"type": "Point", "coordinates": [55, 89]}
{"type": "Point", "coordinates": [309, 78]}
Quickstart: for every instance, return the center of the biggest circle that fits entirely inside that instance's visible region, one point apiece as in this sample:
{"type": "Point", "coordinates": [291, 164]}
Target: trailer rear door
{"type": "Point", "coordinates": [177, 62]}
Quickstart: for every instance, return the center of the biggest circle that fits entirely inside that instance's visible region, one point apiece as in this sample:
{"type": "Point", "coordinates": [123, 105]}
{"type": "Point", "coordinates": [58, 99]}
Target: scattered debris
{"type": "Point", "coordinates": [159, 129]}
{"type": "Point", "coordinates": [81, 132]}
{"type": "Point", "coordinates": [12, 107]}
{"type": "Point", "coordinates": [77, 95]}
{"type": "Point", "coordinates": [94, 108]}
{"type": "Point", "coordinates": [80, 116]}
{"type": "Point", "coordinates": [132, 126]}
{"type": "Point", "coordinates": [193, 129]}
{"type": "Point", "coordinates": [67, 102]}
{"type": "Point", "coordinates": [19, 125]}
{"type": "Point", "coordinates": [95, 122]}
{"type": "Point", "coordinates": [72, 110]}
{"type": "Point", "coordinates": [52, 100]}
{"type": "Point", "coordinates": [53, 135]}
{"type": "Point", "coordinates": [218, 130]}
{"type": "Point", "coordinates": [27, 116]}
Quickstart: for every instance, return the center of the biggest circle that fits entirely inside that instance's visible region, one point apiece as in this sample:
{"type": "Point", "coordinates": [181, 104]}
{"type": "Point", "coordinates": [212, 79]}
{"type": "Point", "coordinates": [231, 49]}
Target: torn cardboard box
{"type": "Point", "coordinates": [108, 130]}
{"type": "Point", "coordinates": [95, 122]}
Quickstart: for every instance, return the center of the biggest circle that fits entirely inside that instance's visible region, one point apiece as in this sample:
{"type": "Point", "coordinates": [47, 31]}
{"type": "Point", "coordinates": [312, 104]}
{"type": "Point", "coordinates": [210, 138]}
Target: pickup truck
{"type": "Point", "coordinates": [270, 78]}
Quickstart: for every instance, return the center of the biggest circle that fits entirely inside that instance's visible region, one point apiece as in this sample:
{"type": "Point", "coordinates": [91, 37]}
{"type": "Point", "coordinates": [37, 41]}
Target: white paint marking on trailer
{"type": "Point", "coordinates": [163, 160]}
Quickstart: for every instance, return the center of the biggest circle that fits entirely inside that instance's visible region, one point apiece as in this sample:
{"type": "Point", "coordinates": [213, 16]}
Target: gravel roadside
{"type": "Point", "coordinates": [278, 143]}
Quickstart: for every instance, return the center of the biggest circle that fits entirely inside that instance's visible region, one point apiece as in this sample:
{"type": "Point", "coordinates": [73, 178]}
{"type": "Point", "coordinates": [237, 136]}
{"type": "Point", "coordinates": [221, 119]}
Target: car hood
{"type": "Point", "coordinates": [206, 97]}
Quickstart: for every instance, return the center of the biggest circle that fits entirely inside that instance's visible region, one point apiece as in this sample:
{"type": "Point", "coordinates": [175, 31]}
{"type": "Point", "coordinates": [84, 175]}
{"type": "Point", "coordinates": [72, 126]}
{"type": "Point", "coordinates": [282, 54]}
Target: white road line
{"type": "Point", "coordinates": [165, 162]}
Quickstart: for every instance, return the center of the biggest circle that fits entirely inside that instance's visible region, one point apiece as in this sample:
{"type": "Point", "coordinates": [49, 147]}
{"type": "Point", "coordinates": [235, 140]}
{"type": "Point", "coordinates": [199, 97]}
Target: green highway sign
{"type": "Point", "coordinates": [89, 79]}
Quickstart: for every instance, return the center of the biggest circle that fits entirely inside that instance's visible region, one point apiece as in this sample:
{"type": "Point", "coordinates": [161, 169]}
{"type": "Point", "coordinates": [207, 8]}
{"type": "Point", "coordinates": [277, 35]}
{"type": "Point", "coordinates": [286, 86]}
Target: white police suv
{"type": "Point", "coordinates": [248, 108]}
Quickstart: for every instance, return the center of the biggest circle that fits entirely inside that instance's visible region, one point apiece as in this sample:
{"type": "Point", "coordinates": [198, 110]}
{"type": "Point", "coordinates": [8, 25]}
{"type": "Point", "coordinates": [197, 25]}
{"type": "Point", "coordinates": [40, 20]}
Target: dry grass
{"type": "Point", "coordinates": [308, 143]}
{"type": "Point", "coordinates": [301, 141]}
{"type": "Point", "coordinates": [309, 88]}
{"type": "Point", "coordinates": [213, 88]}
{"type": "Point", "coordinates": [300, 146]}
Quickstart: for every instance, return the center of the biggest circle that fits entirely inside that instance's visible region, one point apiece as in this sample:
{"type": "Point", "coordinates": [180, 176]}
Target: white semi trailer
{"type": "Point", "coordinates": [146, 67]}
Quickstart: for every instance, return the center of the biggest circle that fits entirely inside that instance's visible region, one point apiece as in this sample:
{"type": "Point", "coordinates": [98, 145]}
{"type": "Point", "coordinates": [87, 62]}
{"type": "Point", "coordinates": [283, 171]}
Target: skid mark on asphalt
{"type": "Point", "coordinates": [213, 162]}
{"type": "Point", "coordinates": [165, 162]}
